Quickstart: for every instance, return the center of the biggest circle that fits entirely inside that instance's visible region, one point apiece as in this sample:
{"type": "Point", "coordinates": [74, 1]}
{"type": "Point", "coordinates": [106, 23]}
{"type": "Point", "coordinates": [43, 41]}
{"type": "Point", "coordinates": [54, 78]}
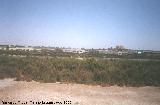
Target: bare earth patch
{"type": "Point", "coordinates": [78, 94]}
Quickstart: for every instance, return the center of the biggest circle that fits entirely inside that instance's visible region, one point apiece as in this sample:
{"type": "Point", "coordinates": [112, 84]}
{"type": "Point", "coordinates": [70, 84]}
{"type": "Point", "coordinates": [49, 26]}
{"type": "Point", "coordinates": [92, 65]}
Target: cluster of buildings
{"type": "Point", "coordinates": [15, 47]}
{"type": "Point", "coordinates": [40, 48]}
{"type": "Point", "coordinates": [22, 48]}
{"type": "Point", "coordinates": [118, 50]}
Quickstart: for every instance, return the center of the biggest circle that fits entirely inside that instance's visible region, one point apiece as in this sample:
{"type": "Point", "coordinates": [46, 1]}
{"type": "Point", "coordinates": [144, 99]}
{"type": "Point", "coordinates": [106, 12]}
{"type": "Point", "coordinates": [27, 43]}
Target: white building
{"type": "Point", "coordinates": [74, 50]}
{"type": "Point", "coordinates": [3, 48]}
{"type": "Point", "coordinates": [103, 51]}
{"type": "Point", "coordinates": [80, 51]}
{"type": "Point", "coordinates": [21, 48]}
{"type": "Point", "coordinates": [120, 52]}
{"type": "Point", "coordinates": [139, 52]}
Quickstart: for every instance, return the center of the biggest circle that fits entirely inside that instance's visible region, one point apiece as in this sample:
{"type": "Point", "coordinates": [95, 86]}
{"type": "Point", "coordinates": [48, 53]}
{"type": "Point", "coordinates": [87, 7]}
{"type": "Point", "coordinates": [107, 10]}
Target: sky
{"type": "Point", "coordinates": [81, 23]}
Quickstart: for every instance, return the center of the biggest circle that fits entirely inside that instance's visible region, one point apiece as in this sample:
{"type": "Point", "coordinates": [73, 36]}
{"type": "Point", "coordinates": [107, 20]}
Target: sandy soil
{"type": "Point", "coordinates": [22, 92]}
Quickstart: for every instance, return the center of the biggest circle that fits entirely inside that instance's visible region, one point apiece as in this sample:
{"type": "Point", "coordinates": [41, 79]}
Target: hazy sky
{"type": "Point", "coordinates": [81, 23]}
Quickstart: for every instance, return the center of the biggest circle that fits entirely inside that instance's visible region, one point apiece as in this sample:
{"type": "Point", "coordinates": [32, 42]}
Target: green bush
{"type": "Point", "coordinates": [90, 71]}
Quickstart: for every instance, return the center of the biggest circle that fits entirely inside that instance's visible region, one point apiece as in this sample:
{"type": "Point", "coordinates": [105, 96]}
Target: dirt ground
{"type": "Point", "coordinates": [20, 92]}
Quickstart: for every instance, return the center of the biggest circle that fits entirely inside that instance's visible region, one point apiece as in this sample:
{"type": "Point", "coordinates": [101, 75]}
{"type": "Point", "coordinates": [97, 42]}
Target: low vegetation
{"type": "Point", "coordinates": [90, 71]}
{"type": "Point", "coordinates": [92, 53]}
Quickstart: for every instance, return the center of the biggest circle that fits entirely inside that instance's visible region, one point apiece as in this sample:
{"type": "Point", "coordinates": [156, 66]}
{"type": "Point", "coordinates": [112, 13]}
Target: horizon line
{"type": "Point", "coordinates": [26, 45]}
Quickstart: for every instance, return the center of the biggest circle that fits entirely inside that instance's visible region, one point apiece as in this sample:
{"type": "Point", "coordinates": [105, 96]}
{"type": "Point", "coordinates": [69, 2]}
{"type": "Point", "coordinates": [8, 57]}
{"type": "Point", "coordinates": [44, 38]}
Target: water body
{"type": "Point", "coordinates": [127, 59]}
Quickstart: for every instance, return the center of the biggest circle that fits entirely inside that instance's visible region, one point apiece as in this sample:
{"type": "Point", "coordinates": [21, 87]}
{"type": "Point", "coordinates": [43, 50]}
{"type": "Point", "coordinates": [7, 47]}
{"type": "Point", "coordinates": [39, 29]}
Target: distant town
{"type": "Point", "coordinates": [117, 50]}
